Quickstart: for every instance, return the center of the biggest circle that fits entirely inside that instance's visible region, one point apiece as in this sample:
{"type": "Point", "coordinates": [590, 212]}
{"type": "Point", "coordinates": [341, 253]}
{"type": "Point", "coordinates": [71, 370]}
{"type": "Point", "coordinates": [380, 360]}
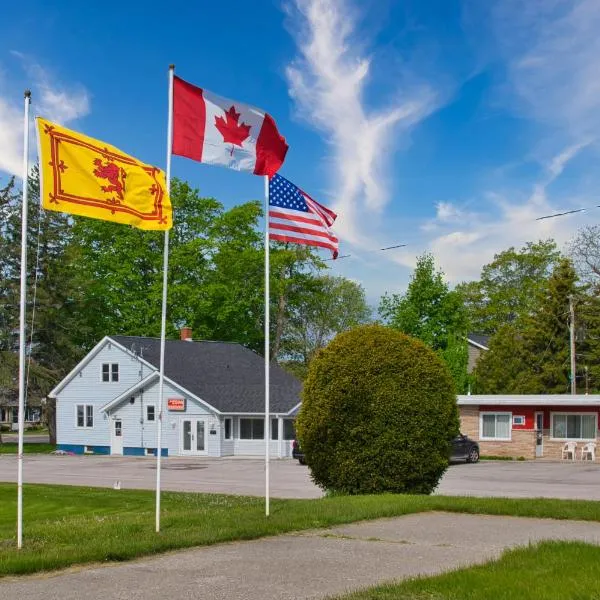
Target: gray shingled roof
{"type": "Point", "coordinates": [226, 375]}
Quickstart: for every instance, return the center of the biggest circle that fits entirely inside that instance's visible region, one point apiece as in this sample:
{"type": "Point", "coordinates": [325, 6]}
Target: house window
{"type": "Point", "coordinates": [495, 426]}
{"type": "Point", "coordinates": [519, 420]}
{"type": "Point", "coordinates": [150, 413]}
{"type": "Point", "coordinates": [85, 415]}
{"type": "Point", "coordinates": [89, 415]}
{"type": "Point", "coordinates": [110, 372]}
{"type": "Point", "coordinates": [252, 429]}
{"type": "Point", "coordinates": [274, 429]}
{"type": "Point", "coordinates": [227, 427]}
{"type": "Point", "coordinates": [574, 426]}
{"type": "Point", "coordinates": [288, 429]}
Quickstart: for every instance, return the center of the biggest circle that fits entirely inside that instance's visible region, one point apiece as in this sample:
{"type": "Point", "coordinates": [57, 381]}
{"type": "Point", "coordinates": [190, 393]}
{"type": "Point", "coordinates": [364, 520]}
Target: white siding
{"type": "Point", "coordinates": [87, 387]}
{"type": "Point", "coordinates": [143, 434]}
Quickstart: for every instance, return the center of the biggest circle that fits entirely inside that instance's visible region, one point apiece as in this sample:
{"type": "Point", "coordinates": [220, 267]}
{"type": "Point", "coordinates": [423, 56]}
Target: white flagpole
{"type": "Point", "coordinates": [22, 340]}
{"type": "Point", "coordinates": [267, 351]}
{"type": "Point", "coordinates": [163, 327]}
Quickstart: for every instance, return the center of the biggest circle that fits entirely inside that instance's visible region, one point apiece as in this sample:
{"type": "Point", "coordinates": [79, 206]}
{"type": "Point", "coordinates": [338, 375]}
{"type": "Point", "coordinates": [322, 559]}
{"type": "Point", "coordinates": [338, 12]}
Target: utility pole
{"type": "Point", "coordinates": [572, 344]}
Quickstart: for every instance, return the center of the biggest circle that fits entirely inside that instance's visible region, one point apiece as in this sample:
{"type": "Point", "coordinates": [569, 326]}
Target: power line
{"type": "Point", "coordinates": [567, 212]}
{"type": "Point", "coordinates": [370, 251]}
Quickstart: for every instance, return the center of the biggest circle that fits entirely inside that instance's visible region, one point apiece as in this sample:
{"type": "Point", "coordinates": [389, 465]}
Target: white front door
{"type": "Point", "coordinates": [116, 437]}
{"type": "Point", "coordinates": [193, 436]}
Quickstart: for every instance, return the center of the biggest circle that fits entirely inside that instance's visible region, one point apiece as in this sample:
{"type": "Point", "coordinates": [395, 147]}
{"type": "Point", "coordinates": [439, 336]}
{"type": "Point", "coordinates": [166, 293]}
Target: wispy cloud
{"type": "Point", "coordinates": [464, 240]}
{"type": "Point", "coordinates": [53, 99]}
{"type": "Point", "coordinates": [327, 80]}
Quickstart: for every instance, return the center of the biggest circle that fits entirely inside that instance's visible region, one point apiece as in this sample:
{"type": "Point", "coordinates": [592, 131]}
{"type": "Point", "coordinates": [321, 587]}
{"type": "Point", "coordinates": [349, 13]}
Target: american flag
{"type": "Point", "coordinates": [295, 217]}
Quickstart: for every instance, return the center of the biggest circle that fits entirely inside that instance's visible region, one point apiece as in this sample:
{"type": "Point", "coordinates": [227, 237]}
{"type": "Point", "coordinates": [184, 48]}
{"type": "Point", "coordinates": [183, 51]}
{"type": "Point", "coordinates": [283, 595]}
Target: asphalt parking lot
{"type": "Point", "coordinates": [290, 480]}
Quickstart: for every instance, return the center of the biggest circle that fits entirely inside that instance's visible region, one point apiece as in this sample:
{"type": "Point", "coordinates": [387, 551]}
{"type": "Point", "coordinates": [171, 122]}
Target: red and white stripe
{"type": "Point", "coordinates": [308, 228]}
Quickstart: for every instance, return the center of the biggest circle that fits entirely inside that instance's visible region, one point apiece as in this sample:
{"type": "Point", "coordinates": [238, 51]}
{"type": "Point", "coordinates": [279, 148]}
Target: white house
{"type": "Point", "coordinates": [213, 400]}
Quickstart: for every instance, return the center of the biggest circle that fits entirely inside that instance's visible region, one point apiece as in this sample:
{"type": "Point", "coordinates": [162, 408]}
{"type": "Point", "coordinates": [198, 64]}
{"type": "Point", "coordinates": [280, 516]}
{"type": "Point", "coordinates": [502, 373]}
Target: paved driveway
{"type": "Point", "coordinates": [291, 480]}
{"type": "Point", "coordinates": [310, 564]}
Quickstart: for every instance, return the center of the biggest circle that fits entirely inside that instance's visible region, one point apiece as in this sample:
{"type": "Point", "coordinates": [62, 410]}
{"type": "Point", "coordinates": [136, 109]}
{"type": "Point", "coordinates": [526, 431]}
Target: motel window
{"type": "Point", "coordinates": [288, 429]}
{"type": "Point", "coordinates": [110, 372]}
{"type": "Point", "coordinates": [85, 415]}
{"type": "Point", "coordinates": [495, 426]}
{"type": "Point", "coordinates": [227, 427]}
{"type": "Point", "coordinates": [574, 426]}
{"type": "Point", "coordinates": [274, 429]}
{"type": "Point", "coordinates": [150, 413]}
{"type": "Point", "coordinates": [252, 429]}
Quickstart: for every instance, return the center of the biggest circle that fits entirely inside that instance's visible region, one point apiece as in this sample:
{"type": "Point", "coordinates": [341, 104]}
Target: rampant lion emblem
{"type": "Point", "coordinates": [115, 176]}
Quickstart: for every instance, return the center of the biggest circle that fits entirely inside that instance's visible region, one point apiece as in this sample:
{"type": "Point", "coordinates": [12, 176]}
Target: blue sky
{"type": "Point", "coordinates": [448, 126]}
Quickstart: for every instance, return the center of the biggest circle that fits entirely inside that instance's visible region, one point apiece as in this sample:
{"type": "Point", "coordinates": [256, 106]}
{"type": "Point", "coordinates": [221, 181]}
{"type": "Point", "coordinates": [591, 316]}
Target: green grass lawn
{"type": "Point", "coordinates": [548, 571]}
{"type": "Point", "coordinates": [66, 525]}
{"type": "Point", "coordinates": [11, 448]}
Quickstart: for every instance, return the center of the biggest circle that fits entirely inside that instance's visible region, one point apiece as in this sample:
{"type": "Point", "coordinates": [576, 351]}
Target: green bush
{"type": "Point", "coordinates": [378, 414]}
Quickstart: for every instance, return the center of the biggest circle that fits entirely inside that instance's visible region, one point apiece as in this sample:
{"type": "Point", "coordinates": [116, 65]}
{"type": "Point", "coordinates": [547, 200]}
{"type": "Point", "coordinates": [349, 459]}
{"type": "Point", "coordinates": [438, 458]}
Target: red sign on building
{"type": "Point", "coordinates": [176, 404]}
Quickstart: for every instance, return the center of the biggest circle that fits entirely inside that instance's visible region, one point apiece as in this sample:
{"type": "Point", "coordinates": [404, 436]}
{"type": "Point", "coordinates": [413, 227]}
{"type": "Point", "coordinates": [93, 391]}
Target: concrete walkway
{"type": "Point", "coordinates": [313, 564]}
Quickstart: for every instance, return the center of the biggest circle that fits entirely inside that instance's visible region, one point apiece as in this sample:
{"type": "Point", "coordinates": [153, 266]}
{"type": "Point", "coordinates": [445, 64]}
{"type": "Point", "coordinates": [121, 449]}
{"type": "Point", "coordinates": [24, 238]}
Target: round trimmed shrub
{"type": "Point", "coordinates": [378, 414]}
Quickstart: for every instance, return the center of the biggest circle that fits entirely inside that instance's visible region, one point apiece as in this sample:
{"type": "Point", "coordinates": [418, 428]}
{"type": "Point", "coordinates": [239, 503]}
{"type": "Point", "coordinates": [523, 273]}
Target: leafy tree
{"type": "Point", "coordinates": [378, 414]}
{"type": "Point", "coordinates": [533, 358]}
{"type": "Point", "coordinates": [325, 307]}
{"type": "Point", "coordinates": [433, 313]}
{"type": "Point", "coordinates": [52, 297]}
{"type": "Point", "coordinates": [428, 310]}
{"type": "Point", "coordinates": [584, 250]}
{"type": "Point", "coordinates": [509, 286]}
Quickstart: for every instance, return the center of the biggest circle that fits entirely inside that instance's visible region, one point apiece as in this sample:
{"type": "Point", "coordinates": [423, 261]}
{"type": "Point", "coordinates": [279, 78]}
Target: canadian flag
{"type": "Point", "coordinates": [218, 131]}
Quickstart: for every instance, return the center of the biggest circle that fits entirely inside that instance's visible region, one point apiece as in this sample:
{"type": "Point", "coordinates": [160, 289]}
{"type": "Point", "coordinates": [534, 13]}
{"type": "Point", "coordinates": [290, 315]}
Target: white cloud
{"type": "Point", "coordinates": [327, 81]}
{"type": "Point", "coordinates": [500, 224]}
{"type": "Point", "coordinates": [50, 98]}
{"type": "Point", "coordinates": [11, 137]}
{"type": "Point", "coordinates": [551, 49]}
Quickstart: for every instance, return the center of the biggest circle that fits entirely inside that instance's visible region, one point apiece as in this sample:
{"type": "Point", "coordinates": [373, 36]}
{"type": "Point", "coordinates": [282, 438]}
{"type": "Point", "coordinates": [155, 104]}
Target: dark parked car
{"type": "Point", "coordinates": [297, 452]}
{"type": "Point", "coordinates": [464, 448]}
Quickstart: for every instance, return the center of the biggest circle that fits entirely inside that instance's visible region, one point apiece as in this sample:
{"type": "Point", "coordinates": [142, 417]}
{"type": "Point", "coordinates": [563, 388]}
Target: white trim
{"type": "Point", "coordinates": [529, 400]}
{"type": "Point", "coordinates": [193, 419]}
{"type": "Point", "coordinates": [80, 365]}
{"type": "Point", "coordinates": [92, 353]}
{"type": "Point", "coordinates": [266, 430]}
{"type": "Point", "coordinates": [495, 439]}
{"type": "Point", "coordinates": [147, 420]}
{"type": "Point", "coordinates": [476, 344]}
{"type": "Point", "coordinates": [129, 392]}
{"type": "Point", "coordinates": [577, 414]}
{"type": "Point", "coordinates": [289, 412]}
{"type": "Point", "coordinates": [85, 407]}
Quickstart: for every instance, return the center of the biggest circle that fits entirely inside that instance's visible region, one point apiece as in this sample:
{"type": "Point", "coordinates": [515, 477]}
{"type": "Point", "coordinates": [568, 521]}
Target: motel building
{"type": "Point", "coordinates": [213, 400]}
{"type": "Point", "coordinates": [532, 426]}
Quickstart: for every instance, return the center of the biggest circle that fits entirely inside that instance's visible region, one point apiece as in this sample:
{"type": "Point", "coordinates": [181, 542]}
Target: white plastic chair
{"type": "Point", "coordinates": [589, 450]}
{"type": "Point", "coordinates": [569, 450]}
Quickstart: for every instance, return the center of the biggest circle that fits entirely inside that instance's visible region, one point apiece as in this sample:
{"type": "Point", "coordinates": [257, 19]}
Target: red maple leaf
{"type": "Point", "coordinates": [230, 129]}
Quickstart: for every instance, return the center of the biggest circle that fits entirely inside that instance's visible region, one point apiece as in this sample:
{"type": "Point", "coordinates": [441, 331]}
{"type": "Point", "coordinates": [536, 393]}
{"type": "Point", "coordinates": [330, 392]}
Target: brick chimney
{"type": "Point", "coordinates": [186, 334]}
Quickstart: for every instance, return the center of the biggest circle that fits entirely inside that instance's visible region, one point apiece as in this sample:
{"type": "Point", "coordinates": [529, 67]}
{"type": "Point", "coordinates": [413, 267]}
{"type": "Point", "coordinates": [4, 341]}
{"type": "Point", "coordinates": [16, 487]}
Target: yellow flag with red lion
{"type": "Point", "coordinates": [86, 177]}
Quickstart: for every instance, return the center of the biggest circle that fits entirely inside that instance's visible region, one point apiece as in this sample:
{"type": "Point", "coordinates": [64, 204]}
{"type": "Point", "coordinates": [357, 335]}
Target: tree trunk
{"type": "Point", "coordinates": [50, 418]}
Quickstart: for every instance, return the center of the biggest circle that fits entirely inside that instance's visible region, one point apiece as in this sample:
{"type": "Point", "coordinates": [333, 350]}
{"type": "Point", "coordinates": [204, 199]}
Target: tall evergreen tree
{"type": "Point", "coordinates": [533, 356]}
